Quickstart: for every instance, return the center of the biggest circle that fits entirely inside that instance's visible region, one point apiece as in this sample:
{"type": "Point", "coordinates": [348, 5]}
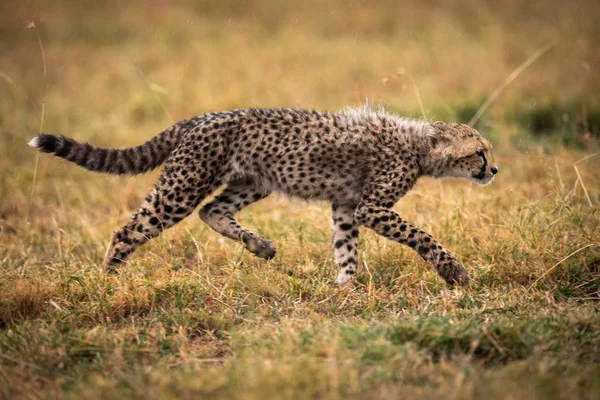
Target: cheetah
{"type": "Point", "coordinates": [362, 161]}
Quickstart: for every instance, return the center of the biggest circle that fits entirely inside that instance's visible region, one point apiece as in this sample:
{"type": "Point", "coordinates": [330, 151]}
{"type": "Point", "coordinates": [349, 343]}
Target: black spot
{"type": "Point", "coordinates": [101, 155]}
{"type": "Point", "coordinates": [65, 149]}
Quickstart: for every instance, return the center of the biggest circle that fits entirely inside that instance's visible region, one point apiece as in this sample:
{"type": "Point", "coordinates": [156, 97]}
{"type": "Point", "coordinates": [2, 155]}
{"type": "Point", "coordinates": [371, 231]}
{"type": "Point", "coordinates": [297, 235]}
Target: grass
{"type": "Point", "coordinates": [574, 122]}
{"type": "Point", "coordinates": [193, 314]}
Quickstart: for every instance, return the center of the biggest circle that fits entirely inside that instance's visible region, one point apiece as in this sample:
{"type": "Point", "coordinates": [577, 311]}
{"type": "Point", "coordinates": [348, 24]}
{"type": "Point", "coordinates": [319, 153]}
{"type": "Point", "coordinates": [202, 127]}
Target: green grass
{"type": "Point", "coordinates": [194, 315]}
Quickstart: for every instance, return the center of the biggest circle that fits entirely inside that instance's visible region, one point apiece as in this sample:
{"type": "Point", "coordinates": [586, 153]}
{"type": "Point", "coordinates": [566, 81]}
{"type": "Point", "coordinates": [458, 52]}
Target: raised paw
{"type": "Point", "coordinates": [453, 272]}
{"type": "Point", "coordinates": [259, 247]}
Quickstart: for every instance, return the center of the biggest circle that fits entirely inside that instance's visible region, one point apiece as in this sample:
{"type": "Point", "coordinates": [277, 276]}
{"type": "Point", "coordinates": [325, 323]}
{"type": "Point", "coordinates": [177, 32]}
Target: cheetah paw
{"type": "Point", "coordinates": [259, 247]}
{"type": "Point", "coordinates": [343, 277]}
{"type": "Point", "coordinates": [455, 273]}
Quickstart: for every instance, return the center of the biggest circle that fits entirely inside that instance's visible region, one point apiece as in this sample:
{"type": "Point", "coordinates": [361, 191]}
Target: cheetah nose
{"type": "Point", "coordinates": [494, 170]}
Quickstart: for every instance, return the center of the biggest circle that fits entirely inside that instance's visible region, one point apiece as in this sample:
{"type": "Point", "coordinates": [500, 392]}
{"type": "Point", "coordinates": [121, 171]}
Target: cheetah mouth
{"type": "Point", "coordinates": [480, 175]}
{"type": "Point", "coordinates": [482, 180]}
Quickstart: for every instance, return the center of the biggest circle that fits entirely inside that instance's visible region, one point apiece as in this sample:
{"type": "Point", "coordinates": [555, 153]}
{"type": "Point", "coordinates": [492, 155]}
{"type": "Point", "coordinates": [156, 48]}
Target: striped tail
{"type": "Point", "coordinates": [131, 161]}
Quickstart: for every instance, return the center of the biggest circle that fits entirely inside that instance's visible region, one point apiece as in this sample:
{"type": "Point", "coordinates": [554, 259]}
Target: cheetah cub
{"type": "Point", "coordinates": [359, 160]}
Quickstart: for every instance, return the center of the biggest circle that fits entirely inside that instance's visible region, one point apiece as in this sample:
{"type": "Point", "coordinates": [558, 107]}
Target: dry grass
{"type": "Point", "coordinates": [193, 314]}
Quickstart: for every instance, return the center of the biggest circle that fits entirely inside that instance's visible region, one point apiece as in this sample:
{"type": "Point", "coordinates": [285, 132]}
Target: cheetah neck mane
{"type": "Point", "coordinates": [405, 126]}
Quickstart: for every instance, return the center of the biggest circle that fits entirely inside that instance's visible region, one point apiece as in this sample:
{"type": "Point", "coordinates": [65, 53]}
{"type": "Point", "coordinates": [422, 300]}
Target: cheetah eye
{"type": "Point", "coordinates": [480, 153]}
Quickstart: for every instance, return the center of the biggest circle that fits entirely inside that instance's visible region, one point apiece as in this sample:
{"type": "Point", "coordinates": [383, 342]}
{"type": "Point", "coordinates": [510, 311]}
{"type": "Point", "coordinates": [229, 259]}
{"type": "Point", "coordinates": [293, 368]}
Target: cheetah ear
{"type": "Point", "coordinates": [433, 136]}
{"type": "Point", "coordinates": [438, 133]}
{"type": "Point", "coordinates": [433, 141]}
{"type": "Point", "coordinates": [439, 126]}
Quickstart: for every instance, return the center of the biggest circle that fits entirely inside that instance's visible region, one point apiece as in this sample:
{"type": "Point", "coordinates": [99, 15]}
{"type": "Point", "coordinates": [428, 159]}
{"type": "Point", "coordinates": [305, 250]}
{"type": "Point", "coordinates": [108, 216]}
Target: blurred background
{"type": "Point", "coordinates": [114, 64]}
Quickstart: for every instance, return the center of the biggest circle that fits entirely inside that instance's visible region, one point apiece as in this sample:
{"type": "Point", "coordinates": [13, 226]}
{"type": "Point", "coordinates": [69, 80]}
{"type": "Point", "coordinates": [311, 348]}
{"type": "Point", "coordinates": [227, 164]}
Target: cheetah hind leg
{"type": "Point", "coordinates": [219, 215]}
{"type": "Point", "coordinates": [164, 207]}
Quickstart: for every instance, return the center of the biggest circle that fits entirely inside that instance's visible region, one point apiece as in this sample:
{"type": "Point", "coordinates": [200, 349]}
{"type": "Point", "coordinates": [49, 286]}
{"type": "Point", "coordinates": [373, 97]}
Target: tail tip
{"type": "Point", "coordinates": [35, 142]}
{"type": "Point", "coordinates": [45, 143]}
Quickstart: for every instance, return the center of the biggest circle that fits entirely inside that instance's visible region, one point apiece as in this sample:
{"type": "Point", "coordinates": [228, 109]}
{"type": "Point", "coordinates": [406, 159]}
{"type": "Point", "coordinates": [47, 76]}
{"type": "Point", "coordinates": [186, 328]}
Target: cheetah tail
{"type": "Point", "coordinates": [131, 161]}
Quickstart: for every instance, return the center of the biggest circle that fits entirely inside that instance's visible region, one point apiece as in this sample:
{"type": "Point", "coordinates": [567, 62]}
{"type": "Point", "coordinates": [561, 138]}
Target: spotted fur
{"type": "Point", "coordinates": [361, 161]}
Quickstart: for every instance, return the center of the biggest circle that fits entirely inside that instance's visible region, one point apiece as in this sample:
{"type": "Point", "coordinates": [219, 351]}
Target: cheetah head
{"type": "Point", "coordinates": [458, 150]}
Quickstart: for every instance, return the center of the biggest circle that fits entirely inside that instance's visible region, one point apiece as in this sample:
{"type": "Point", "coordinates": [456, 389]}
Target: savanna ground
{"type": "Point", "coordinates": [193, 314]}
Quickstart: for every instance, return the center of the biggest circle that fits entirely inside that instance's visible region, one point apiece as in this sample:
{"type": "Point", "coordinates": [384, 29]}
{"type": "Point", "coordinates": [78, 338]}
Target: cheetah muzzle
{"type": "Point", "coordinates": [360, 161]}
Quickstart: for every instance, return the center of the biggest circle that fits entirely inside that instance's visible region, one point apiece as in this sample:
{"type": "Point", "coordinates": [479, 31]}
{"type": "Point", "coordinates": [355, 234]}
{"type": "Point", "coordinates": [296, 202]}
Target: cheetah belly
{"type": "Point", "coordinates": [319, 184]}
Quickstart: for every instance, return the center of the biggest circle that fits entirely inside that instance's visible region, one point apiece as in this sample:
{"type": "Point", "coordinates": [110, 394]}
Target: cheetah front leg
{"type": "Point", "coordinates": [375, 212]}
{"type": "Point", "coordinates": [219, 215]}
{"type": "Point", "coordinates": [388, 223]}
{"type": "Point", "coordinates": [345, 242]}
